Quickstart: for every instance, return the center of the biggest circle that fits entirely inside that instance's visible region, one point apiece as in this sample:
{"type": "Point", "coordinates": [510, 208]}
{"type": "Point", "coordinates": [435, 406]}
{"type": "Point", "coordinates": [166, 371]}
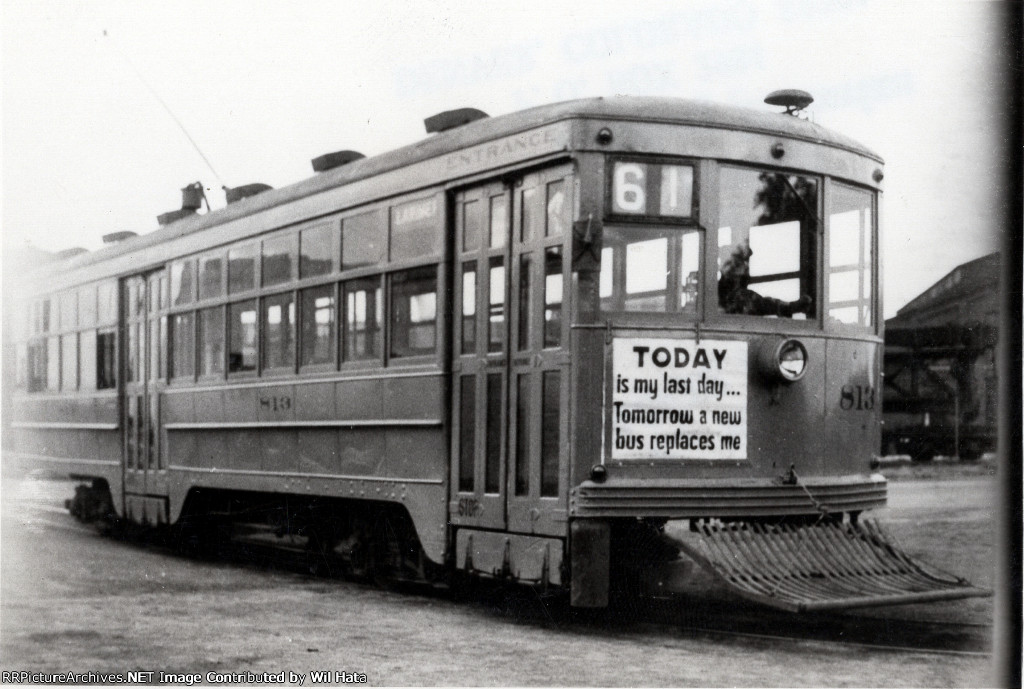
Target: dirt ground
{"type": "Point", "coordinates": [71, 600]}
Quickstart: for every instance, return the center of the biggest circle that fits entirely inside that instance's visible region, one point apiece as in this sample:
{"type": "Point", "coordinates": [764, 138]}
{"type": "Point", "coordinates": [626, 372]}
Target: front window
{"type": "Point", "coordinates": [851, 232]}
{"type": "Point", "coordinates": [650, 270]}
{"type": "Point", "coordinates": [766, 243]}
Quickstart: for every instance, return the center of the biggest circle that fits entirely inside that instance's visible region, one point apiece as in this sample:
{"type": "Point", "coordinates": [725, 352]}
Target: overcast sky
{"type": "Point", "coordinates": [263, 87]}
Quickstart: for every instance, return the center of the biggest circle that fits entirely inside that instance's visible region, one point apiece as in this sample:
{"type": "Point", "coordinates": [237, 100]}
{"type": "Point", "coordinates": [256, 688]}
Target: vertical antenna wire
{"type": "Point", "coordinates": [166, 107]}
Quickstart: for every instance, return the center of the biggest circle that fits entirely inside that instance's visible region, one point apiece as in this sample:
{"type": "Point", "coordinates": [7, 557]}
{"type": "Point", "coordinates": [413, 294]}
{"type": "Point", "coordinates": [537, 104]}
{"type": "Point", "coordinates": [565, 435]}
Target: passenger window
{"type": "Point", "coordinates": [69, 310]}
{"type": "Point", "coordinates": [558, 210]}
{"type": "Point", "coordinates": [650, 270]}
{"type": "Point", "coordinates": [851, 255]}
{"type": "Point", "coordinates": [106, 303]}
{"type": "Point", "coordinates": [469, 307]}
{"type": "Point", "coordinates": [416, 229]}
{"type": "Point", "coordinates": [279, 259]}
{"type": "Point", "coordinates": [472, 225]}
{"type": "Point", "coordinates": [317, 325]}
{"type": "Point", "coordinates": [316, 251]}
{"type": "Point", "coordinates": [87, 368]}
{"type": "Point", "coordinates": [414, 312]}
{"type": "Point", "coordinates": [364, 314]}
{"type": "Point", "coordinates": [362, 240]}
{"type": "Point", "coordinates": [69, 362]}
{"type": "Point", "coordinates": [211, 276]}
{"type": "Point", "coordinates": [526, 311]}
{"type": "Point", "coordinates": [106, 359]}
{"type": "Point", "coordinates": [499, 221]}
{"type": "Point", "coordinates": [496, 305]}
{"type": "Point", "coordinates": [242, 336]}
{"type": "Point", "coordinates": [553, 296]}
{"type": "Point", "coordinates": [182, 284]}
{"type": "Point", "coordinates": [551, 424]}
{"type": "Point", "coordinates": [36, 355]}
{"type": "Point", "coordinates": [279, 331]}
{"type": "Point", "coordinates": [53, 363]}
{"type": "Point", "coordinates": [766, 243]}
{"type": "Point", "coordinates": [183, 332]}
{"type": "Point", "coordinates": [241, 268]}
{"type": "Point", "coordinates": [87, 307]}
{"type": "Point", "coordinates": [211, 341]}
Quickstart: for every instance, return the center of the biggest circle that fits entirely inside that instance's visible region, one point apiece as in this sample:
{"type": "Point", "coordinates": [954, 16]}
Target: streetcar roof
{"type": "Point", "coordinates": [624, 108]}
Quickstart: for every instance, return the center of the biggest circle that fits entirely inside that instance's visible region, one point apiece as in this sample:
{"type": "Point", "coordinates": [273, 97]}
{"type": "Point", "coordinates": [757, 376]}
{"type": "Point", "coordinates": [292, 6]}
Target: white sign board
{"type": "Point", "coordinates": [676, 399]}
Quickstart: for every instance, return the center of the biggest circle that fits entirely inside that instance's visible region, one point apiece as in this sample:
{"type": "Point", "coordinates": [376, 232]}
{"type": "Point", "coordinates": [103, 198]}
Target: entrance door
{"type": "Point", "coordinates": [510, 358]}
{"type": "Point", "coordinates": [145, 366]}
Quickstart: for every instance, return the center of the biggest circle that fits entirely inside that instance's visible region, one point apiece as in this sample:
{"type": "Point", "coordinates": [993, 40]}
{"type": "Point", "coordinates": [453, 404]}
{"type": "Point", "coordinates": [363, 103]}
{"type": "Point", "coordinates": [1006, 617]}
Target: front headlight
{"type": "Point", "coordinates": [783, 360]}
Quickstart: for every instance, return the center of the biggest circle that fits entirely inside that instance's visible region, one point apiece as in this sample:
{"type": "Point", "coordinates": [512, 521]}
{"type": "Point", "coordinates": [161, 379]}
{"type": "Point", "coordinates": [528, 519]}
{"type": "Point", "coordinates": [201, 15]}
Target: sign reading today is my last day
{"type": "Point", "coordinates": [677, 399]}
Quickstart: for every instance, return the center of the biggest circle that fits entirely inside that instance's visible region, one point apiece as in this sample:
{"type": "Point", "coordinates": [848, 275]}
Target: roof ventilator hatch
{"type": "Point", "coordinates": [794, 101]}
{"type": "Point", "coordinates": [329, 161]}
{"type": "Point", "coordinates": [235, 194]}
{"type": "Point", "coordinates": [450, 119]}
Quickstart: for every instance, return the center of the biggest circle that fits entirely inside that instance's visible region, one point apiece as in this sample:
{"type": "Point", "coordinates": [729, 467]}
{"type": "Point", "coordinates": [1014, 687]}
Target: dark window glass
{"type": "Point", "coordinates": [69, 362]}
{"type": "Point", "coordinates": [472, 225]}
{"type": "Point", "coordinates": [211, 341]}
{"type": "Point", "coordinates": [316, 245]}
{"type": "Point", "coordinates": [106, 359]}
{"type": "Point", "coordinates": [132, 358]}
{"type": "Point", "coordinates": [211, 276]}
{"type": "Point", "coordinates": [532, 214]}
{"type": "Point", "coordinates": [526, 312]}
{"type": "Point", "coordinates": [550, 433]}
{"type": "Point", "coordinates": [37, 366]}
{"type": "Point", "coordinates": [279, 259]}
{"type": "Point", "coordinates": [553, 296]}
{"type": "Point", "coordinates": [523, 434]}
{"type": "Point", "coordinates": [467, 431]}
{"type": "Point", "coordinates": [364, 313]}
{"type": "Point", "coordinates": [558, 210]}
{"type": "Point", "coordinates": [362, 240]}
{"type": "Point", "coordinates": [182, 283]}
{"type": "Point", "coordinates": [495, 414]}
{"type": "Point", "coordinates": [318, 325]}
{"type": "Point", "coordinates": [766, 243]}
{"type": "Point", "coordinates": [87, 359]}
{"type": "Point", "coordinates": [106, 303]}
{"type": "Point", "coordinates": [650, 270]}
{"type": "Point", "coordinates": [496, 305]}
{"type": "Point", "coordinates": [279, 331]}
{"type": "Point", "coordinates": [69, 311]}
{"type": "Point", "coordinates": [241, 268]}
{"type": "Point", "coordinates": [414, 312]}
{"type": "Point", "coordinates": [184, 334]}
{"type": "Point", "coordinates": [499, 221]}
{"type": "Point", "coordinates": [416, 229]}
{"type": "Point", "coordinates": [469, 307]}
{"type": "Point", "coordinates": [242, 336]}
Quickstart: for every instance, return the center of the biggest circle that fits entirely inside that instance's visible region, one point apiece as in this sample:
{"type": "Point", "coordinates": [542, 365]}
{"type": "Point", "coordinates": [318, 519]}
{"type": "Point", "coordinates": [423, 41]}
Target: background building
{"type": "Point", "coordinates": [940, 394]}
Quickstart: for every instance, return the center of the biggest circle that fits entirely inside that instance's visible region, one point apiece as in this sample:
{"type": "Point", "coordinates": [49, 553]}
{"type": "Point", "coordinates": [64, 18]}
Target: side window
{"type": "Point", "coordinates": [317, 313]}
{"type": "Point", "coordinates": [242, 336]}
{"type": "Point", "coordinates": [87, 360]}
{"type": "Point", "coordinates": [850, 255]}
{"type": "Point", "coordinates": [211, 276]}
{"type": "Point", "coordinates": [211, 341]}
{"type": "Point", "coordinates": [182, 282]}
{"type": "Point", "coordinates": [242, 268]}
{"type": "Point", "coordinates": [414, 312]}
{"type": "Point", "coordinates": [767, 243]}
{"type": "Point", "coordinates": [279, 331]}
{"type": "Point", "coordinates": [53, 363]}
{"type": "Point", "coordinates": [69, 361]}
{"type": "Point", "coordinates": [363, 240]}
{"type": "Point", "coordinates": [279, 256]}
{"type": "Point", "coordinates": [316, 250]}
{"type": "Point", "coordinates": [106, 359]}
{"type": "Point", "coordinates": [416, 229]}
{"type": "Point", "coordinates": [183, 345]}
{"type": "Point", "coordinates": [364, 315]}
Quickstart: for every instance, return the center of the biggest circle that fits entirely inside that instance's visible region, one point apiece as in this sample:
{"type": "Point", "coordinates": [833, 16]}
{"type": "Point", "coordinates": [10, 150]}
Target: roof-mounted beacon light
{"type": "Point", "coordinates": [793, 100]}
{"type": "Point", "coordinates": [235, 194]}
{"type": "Point", "coordinates": [450, 119]}
{"type": "Point", "coordinates": [329, 161]}
{"type": "Point", "coordinates": [192, 198]}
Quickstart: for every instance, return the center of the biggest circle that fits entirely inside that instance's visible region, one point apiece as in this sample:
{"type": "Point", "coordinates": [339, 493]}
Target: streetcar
{"type": "Point", "coordinates": [528, 347]}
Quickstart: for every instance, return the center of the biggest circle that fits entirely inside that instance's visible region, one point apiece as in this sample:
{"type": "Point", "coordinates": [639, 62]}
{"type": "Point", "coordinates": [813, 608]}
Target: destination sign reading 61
{"type": "Point", "coordinates": [676, 399]}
